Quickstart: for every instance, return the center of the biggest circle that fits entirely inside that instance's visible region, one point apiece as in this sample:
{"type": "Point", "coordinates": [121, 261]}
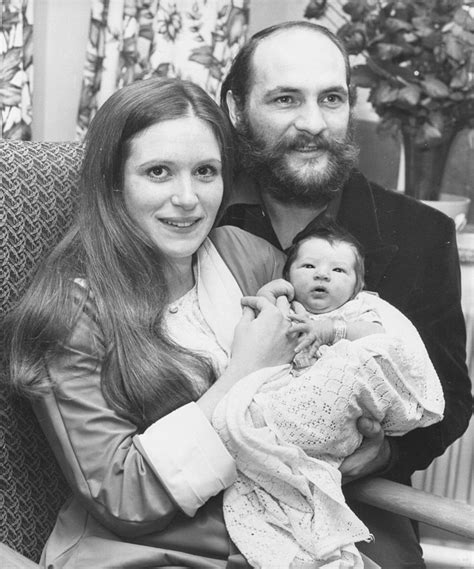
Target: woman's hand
{"type": "Point", "coordinates": [262, 338]}
{"type": "Point", "coordinates": [276, 289]}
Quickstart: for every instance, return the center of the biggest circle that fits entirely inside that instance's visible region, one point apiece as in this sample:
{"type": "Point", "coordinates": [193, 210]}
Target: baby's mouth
{"type": "Point", "coordinates": [320, 289]}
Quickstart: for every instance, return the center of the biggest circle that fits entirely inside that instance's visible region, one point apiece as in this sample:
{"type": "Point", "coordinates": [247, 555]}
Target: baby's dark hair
{"type": "Point", "coordinates": [333, 233]}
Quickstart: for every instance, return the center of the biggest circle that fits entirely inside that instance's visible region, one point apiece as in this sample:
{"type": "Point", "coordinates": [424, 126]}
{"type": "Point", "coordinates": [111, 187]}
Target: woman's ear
{"type": "Point", "coordinates": [234, 113]}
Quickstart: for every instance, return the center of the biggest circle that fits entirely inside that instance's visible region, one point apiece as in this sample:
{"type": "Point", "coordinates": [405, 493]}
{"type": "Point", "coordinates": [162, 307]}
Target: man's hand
{"type": "Point", "coordinates": [372, 456]}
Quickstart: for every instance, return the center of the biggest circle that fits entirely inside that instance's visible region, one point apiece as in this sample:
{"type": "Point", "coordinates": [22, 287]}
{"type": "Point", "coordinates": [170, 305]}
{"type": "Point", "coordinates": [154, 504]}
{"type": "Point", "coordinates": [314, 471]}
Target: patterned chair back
{"type": "Point", "coordinates": [38, 190]}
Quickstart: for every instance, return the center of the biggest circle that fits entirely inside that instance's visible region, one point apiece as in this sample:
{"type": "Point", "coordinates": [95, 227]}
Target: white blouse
{"type": "Point", "coordinates": [187, 326]}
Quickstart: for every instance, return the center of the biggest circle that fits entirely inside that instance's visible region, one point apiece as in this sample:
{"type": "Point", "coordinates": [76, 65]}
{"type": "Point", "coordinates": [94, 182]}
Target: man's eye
{"type": "Point", "coordinates": [334, 99]}
{"type": "Point", "coordinates": [158, 172]}
{"type": "Point", "coordinates": [284, 100]}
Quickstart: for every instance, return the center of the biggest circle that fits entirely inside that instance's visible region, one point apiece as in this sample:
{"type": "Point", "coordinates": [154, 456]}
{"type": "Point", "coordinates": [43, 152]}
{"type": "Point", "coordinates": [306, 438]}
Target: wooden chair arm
{"type": "Point", "coordinates": [444, 513]}
{"type": "Point", "coordinates": [13, 560]}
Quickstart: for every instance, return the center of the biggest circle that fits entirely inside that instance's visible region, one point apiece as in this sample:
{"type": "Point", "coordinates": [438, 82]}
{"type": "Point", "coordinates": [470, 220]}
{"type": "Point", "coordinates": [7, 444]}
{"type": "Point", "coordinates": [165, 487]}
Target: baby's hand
{"type": "Point", "coordinates": [315, 333]}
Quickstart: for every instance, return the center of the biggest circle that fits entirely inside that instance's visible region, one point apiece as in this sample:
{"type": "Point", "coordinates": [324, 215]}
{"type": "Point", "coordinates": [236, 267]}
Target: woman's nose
{"type": "Point", "coordinates": [185, 195]}
{"type": "Point", "coordinates": [310, 118]}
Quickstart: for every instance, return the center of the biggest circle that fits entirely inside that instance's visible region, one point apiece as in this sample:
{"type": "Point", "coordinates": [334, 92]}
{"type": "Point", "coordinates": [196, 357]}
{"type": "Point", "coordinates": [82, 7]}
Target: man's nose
{"type": "Point", "coordinates": [185, 195]}
{"type": "Point", "coordinates": [310, 118]}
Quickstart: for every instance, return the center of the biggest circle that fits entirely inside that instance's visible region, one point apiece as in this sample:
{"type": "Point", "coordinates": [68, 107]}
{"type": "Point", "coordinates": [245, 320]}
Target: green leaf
{"type": "Point", "coordinates": [315, 9]}
{"type": "Point", "coordinates": [384, 94]}
{"type": "Point", "coordinates": [427, 134]}
{"type": "Point", "coordinates": [454, 48]}
{"type": "Point", "coordinates": [460, 79]}
{"type": "Point", "coordinates": [434, 87]}
{"type": "Point", "coordinates": [422, 25]}
{"type": "Point", "coordinates": [388, 50]}
{"type": "Point", "coordinates": [410, 37]}
{"type": "Point", "coordinates": [464, 19]}
{"type": "Point", "coordinates": [432, 40]}
{"type": "Point", "coordinates": [357, 9]}
{"type": "Point", "coordinates": [353, 36]}
{"type": "Point", "coordinates": [394, 25]}
{"type": "Point", "coordinates": [409, 94]}
{"type": "Point", "coordinates": [363, 76]}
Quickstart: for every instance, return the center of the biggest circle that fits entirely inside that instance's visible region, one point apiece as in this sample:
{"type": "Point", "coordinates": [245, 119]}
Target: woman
{"type": "Point", "coordinates": [111, 340]}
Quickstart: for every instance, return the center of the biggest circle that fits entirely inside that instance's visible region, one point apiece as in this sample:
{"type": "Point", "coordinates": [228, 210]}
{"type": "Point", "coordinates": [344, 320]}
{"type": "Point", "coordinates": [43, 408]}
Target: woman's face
{"type": "Point", "coordinates": [173, 185]}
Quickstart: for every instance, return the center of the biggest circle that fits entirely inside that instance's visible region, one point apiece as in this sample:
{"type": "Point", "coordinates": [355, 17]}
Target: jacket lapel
{"type": "Point", "coordinates": [357, 213]}
{"type": "Point", "coordinates": [219, 294]}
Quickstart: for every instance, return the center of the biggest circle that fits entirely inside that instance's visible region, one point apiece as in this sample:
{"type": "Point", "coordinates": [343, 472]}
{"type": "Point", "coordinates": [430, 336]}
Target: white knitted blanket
{"type": "Point", "coordinates": [288, 436]}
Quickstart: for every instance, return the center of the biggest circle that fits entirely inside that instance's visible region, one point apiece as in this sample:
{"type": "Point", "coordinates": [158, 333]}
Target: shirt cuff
{"type": "Point", "coordinates": [188, 456]}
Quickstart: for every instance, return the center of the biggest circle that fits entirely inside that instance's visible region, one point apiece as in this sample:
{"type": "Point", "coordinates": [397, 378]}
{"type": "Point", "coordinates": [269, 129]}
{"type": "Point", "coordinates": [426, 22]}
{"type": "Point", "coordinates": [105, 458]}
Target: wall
{"type": "Point", "coordinates": [265, 13]}
{"type": "Point", "coordinates": [60, 28]}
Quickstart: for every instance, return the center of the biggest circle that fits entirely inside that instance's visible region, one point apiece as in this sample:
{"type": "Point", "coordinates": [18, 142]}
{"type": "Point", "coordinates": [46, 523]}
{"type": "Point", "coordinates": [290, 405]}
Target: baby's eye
{"type": "Point", "coordinates": [207, 171]}
{"type": "Point", "coordinates": [308, 266]}
{"type": "Point", "coordinates": [158, 172]}
{"type": "Point", "coordinates": [339, 270]}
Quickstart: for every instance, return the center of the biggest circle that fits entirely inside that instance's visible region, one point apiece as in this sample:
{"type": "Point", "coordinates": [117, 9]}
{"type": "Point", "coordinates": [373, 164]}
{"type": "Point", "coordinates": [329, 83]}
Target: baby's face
{"type": "Point", "coordinates": [323, 275]}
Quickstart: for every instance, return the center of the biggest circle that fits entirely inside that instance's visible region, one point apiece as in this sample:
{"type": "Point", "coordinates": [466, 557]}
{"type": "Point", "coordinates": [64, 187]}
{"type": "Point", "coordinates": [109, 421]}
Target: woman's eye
{"type": "Point", "coordinates": [207, 171]}
{"type": "Point", "coordinates": [158, 172]}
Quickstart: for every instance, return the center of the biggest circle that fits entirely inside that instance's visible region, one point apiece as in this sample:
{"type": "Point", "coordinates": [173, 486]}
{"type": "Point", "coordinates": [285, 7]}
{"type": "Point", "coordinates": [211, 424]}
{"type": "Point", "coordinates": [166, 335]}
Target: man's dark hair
{"type": "Point", "coordinates": [239, 78]}
{"type": "Point", "coordinates": [333, 233]}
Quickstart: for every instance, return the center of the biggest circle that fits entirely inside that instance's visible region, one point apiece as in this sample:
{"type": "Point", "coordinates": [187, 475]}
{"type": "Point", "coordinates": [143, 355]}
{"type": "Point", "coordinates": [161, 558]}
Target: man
{"type": "Point", "coordinates": [288, 96]}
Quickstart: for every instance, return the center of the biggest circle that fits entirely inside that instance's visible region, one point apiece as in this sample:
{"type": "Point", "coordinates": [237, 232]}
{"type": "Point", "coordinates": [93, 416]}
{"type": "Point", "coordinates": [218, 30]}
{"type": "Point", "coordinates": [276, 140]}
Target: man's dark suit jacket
{"type": "Point", "coordinates": [412, 262]}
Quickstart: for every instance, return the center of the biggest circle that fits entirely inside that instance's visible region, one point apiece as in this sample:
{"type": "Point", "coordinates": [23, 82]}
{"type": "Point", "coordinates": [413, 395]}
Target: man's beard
{"type": "Point", "coordinates": [305, 186]}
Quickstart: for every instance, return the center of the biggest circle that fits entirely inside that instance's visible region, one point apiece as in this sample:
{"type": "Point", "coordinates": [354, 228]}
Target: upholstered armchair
{"type": "Point", "coordinates": [38, 191]}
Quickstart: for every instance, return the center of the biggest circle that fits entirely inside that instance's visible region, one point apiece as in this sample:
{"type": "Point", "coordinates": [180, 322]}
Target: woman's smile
{"type": "Point", "coordinates": [181, 223]}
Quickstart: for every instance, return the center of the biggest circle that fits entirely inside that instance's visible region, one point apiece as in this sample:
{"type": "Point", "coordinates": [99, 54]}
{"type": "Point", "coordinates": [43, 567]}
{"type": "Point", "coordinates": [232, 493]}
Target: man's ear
{"type": "Point", "coordinates": [234, 113]}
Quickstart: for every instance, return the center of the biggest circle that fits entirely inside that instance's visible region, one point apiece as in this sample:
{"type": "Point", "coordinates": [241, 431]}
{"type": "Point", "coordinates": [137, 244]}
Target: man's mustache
{"type": "Point", "coordinates": [318, 142]}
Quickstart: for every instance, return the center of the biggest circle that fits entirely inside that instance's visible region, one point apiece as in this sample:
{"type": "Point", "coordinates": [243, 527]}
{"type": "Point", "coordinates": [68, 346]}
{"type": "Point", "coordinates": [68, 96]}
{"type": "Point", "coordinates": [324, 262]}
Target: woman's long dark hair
{"type": "Point", "coordinates": [144, 373]}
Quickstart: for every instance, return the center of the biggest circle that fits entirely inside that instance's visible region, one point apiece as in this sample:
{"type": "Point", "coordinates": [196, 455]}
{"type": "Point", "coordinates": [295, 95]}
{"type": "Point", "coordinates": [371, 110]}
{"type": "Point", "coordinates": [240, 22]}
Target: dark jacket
{"type": "Point", "coordinates": [412, 262]}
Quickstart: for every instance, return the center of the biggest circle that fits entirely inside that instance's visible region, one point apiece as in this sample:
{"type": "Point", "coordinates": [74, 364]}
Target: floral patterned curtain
{"type": "Point", "coordinates": [138, 39]}
{"type": "Point", "coordinates": [16, 68]}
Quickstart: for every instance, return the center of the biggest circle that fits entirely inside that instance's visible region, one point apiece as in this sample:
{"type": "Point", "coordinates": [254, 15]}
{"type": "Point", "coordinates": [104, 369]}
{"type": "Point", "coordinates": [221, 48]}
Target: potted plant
{"type": "Point", "coordinates": [419, 68]}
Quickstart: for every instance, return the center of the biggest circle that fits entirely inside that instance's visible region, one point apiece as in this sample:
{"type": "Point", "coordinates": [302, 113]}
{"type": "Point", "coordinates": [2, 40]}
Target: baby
{"type": "Point", "coordinates": [325, 270]}
{"type": "Point", "coordinates": [289, 431]}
